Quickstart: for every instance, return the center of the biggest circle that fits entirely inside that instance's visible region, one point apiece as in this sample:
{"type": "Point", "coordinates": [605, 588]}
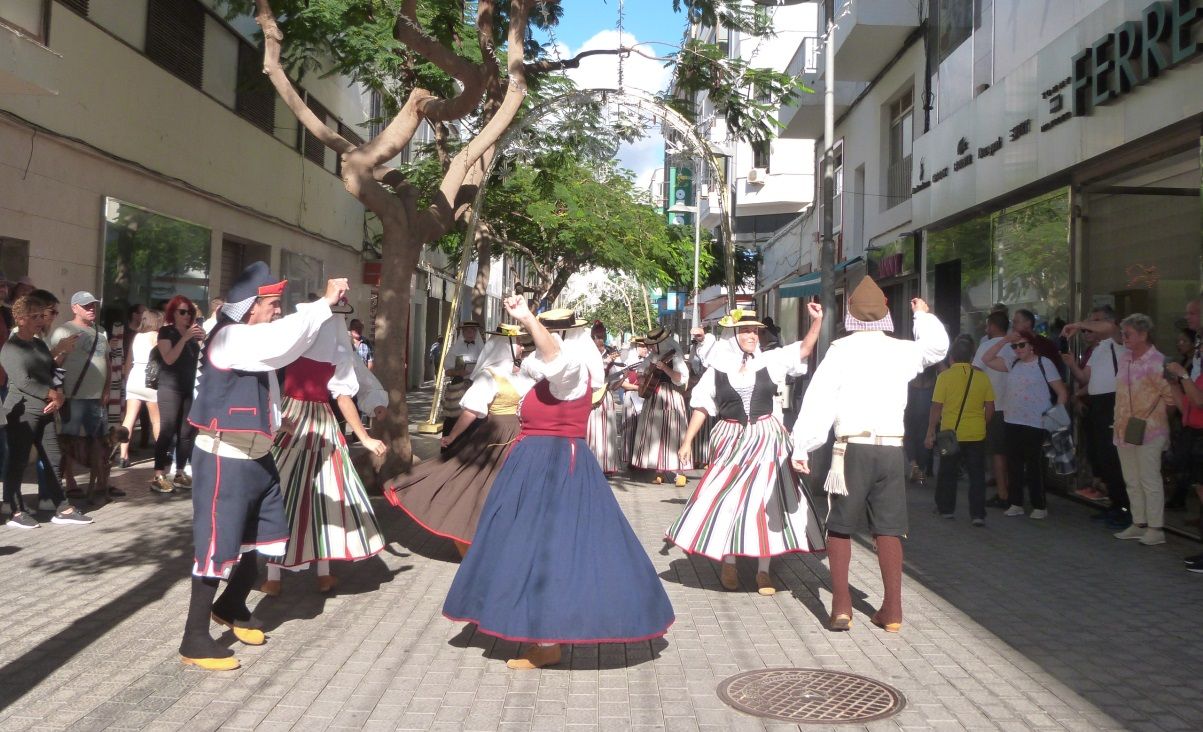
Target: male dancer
{"type": "Point", "coordinates": [860, 390]}
{"type": "Point", "coordinates": [236, 502]}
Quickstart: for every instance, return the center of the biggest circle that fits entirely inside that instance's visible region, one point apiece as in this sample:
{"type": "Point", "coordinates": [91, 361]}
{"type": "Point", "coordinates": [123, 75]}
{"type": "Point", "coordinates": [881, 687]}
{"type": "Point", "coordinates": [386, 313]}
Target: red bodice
{"type": "Point", "coordinates": [543, 414]}
{"type": "Point", "coordinates": [307, 380]}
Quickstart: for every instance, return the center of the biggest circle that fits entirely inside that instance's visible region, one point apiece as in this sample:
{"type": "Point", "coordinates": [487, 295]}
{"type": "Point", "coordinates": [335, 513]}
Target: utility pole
{"type": "Point", "coordinates": [827, 246]}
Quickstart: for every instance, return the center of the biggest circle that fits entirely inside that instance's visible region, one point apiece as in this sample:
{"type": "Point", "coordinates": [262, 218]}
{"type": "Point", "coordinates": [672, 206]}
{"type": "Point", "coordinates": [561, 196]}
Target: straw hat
{"type": "Point", "coordinates": [738, 318]}
{"type": "Point", "coordinates": [561, 319]}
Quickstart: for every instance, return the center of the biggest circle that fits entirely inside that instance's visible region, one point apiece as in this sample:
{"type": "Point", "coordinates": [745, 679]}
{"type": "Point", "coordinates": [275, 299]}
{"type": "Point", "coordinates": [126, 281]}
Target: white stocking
{"type": "Point", "coordinates": [273, 572]}
{"type": "Point", "coordinates": [762, 564]}
{"type": "Point", "coordinates": [729, 559]}
{"type": "Point", "coordinates": [323, 567]}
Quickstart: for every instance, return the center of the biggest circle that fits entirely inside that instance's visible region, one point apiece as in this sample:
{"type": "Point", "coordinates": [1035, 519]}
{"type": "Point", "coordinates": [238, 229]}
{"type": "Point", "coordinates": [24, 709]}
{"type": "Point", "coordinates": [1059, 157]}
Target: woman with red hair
{"type": "Point", "coordinates": [178, 351]}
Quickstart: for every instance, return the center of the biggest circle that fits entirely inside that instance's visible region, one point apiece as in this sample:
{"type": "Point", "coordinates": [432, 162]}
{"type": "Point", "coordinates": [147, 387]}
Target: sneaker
{"type": "Point", "coordinates": [978, 522]}
{"type": "Point", "coordinates": [1192, 559]}
{"type": "Point", "coordinates": [75, 518]}
{"type": "Point", "coordinates": [161, 484]}
{"type": "Point", "coordinates": [1039, 513]}
{"type": "Point", "coordinates": [182, 480]}
{"type": "Point", "coordinates": [123, 463]}
{"type": "Point", "coordinates": [1196, 567]}
{"type": "Point", "coordinates": [46, 504]}
{"type": "Point", "coordinates": [23, 521]}
{"type": "Point", "coordinates": [1153, 537]}
{"type": "Point", "coordinates": [1014, 511]}
{"type": "Point", "coordinates": [947, 516]}
{"type": "Point", "coordinates": [1091, 493]}
{"type": "Point", "coordinates": [1132, 532]}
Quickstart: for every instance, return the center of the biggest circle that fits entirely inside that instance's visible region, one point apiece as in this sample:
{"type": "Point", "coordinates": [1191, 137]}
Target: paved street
{"type": "Point", "coordinates": [1023, 624]}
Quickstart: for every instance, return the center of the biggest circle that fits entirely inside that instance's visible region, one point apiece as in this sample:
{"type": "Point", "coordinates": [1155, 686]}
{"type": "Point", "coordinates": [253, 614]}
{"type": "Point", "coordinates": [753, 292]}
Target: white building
{"type": "Point", "coordinates": [1042, 155]}
{"type": "Point", "coordinates": [770, 183]}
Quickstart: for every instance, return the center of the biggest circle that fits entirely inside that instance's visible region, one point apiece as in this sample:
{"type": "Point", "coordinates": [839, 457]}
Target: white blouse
{"type": "Point", "coordinates": [781, 363]}
{"type": "Point", "coordinates": [484, 390]}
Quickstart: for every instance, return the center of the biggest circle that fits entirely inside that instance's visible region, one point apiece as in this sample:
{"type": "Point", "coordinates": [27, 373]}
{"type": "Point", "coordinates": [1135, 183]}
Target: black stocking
{"type": "Point", "coordinates": [197, 642]}
{"type": "Point", "coordinates": [231, 605]}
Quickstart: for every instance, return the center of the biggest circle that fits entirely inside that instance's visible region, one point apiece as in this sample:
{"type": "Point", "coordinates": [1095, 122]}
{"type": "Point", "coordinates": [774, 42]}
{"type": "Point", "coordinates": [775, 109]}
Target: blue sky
{"type": "Point", "coordinates": [651, 20]}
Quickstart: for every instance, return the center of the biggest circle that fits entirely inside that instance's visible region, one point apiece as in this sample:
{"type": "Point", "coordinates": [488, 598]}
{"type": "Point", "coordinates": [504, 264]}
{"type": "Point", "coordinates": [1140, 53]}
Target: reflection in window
{"type": "Point", "coordinates": [1018, 256]}
{"type": "Point", "coordinates": [149, 258]}
{"type": "Point", "coordinates": [305, 278]}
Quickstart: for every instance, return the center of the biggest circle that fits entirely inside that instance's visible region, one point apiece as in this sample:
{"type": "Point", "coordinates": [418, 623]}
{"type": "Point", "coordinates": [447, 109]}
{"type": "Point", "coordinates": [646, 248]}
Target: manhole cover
{"type": "Point", "coordinates": [811, 696]}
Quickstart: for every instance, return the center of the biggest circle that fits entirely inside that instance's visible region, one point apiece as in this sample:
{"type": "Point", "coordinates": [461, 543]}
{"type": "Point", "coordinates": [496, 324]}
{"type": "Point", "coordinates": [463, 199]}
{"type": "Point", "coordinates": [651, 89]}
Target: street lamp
{"type": "Point", "coordinates": [696, 210]}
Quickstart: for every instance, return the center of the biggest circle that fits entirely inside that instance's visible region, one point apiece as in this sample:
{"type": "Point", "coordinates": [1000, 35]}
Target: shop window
{"type": "Point", "coordinates": [149, 258]}
{"type": "Point", "coordinates": [902, 135]}
{"type": "Point", "coordinates": [29, 17]}
{"type": "Point", "coordinates": [175, 38]}
{"type": "Point", "coordinates": [305, 277]}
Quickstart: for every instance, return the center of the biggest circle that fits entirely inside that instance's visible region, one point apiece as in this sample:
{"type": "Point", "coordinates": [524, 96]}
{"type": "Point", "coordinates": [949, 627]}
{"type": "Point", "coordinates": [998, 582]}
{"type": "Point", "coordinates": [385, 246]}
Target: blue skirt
{"type": "Point", "coordinates": [554, 559]}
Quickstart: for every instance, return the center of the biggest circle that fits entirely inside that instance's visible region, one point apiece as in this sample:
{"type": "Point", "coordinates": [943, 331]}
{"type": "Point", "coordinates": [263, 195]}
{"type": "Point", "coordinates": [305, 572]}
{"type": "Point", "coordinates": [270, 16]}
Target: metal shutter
{"type": "Point", "coordinates": [314, 149]}
{"type": "Point", "coordinates": [175, 38]}
{"type": "Point", "coordinates": [255, 97]}
{"type": "Point", "coordinates": [79, 6]}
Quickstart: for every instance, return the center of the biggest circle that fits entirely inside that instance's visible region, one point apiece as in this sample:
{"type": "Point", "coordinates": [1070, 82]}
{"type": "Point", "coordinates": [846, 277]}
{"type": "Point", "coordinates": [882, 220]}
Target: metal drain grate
{"type": "Point", "coordinates": [811, 696]}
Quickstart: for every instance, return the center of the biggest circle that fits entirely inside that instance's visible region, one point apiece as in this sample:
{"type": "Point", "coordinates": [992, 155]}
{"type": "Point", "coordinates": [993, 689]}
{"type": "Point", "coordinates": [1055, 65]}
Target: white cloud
{"type": "Point", "coordinates": [601, 72]}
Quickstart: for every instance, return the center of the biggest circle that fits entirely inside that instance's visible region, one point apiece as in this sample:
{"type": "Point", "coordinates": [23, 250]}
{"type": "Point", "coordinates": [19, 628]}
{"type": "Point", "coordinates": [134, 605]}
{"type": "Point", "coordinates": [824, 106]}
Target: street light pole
{"type": "Point", "coordinates": [827, 247]}
{"type": "Point", "coordinates": [697, 250]}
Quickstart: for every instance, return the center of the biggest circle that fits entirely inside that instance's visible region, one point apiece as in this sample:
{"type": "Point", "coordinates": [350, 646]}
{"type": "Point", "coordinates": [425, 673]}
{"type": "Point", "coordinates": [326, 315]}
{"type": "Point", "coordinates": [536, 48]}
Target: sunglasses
{"type": "Point", "coordinates": [184, 311]}
{"type": "Point", "coordinates": [1017, 346]}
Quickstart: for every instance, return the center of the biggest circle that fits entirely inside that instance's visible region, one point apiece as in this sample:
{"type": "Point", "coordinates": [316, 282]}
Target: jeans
{"type": "Point", "coordinates": [918, 410]}
{"type": "Point", "coordinates": [25, 430]}
{"type": "Point", "coordinates": [1025, 464]}
{"type": "Point", "coordinates": [973, 456]}
{"type": "Point", "coordinates": [173, 422]}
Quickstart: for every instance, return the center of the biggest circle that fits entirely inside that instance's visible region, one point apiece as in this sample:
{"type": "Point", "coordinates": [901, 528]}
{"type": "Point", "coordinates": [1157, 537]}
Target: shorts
{"type": "Point", "coordinates": [876, 480]}
{"type": "Point", "coordinates": [86, 419]}
{"type": "Point", "coordinates": [236, 507]}
{"type": "Point", "coordinates": [996, 435]}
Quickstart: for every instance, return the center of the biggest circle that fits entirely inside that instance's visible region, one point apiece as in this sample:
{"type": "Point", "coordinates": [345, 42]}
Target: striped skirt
{"type": "Point", "coordinates": [328, 511]}
{"type": "Point", "coordinates": [603, 434]}
{"type": "Point", "coordinates": [661, 428]}
{"type": "Point", "coordinates": [749, 502]}
{"type": "Point", "coordinates": [701, 443]}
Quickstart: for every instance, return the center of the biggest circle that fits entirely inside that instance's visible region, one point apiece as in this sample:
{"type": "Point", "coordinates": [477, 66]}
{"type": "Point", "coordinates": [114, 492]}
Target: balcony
{"type": "Point", "coordinates": [27, 67]}
{"type": "Point", "coordinates": [868, 33]}
{"type": "Point", "coordinates": [778, 193]}
{"type": "Point", "coordinates": [803, 120]}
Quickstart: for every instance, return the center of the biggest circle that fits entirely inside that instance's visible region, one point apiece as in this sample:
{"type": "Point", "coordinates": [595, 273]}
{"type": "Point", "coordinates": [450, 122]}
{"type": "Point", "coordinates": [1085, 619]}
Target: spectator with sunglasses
{"type": "Point", "coordinates": [179, 350]}
{"type": "Point", "coordinates": [1033, 385]}
{"type": "Point", "coordinates": [86, 370]}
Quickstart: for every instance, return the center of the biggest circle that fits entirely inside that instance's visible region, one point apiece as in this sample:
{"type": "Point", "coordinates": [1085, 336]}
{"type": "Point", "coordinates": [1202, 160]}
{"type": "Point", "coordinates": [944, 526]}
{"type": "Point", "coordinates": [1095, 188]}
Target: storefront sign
{"type": "Point", "coordinates": [1135, 53]}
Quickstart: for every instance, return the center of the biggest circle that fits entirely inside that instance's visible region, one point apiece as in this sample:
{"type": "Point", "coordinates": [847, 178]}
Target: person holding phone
{"type": "Point", "coordinates": [178, 349]}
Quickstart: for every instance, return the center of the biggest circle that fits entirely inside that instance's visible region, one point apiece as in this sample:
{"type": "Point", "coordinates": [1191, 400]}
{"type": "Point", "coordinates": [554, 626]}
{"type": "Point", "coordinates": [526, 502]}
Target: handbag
{"type": "Point", "coordinates": [153, 366]}
{"type": "Point", "coordinates": [947, 443]}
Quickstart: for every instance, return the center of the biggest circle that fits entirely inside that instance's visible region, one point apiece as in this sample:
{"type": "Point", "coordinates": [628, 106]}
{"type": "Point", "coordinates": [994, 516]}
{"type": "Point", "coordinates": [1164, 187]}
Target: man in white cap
{"type": "Point", "coordinates": [86, 371]}
{"type": "Point", "coordinates": [860, 390]}
{"type": "Point", "coordinates": [237, 506]}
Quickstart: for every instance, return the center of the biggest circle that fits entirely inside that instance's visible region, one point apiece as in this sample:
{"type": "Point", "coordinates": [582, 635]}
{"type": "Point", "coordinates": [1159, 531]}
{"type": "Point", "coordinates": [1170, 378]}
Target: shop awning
{"type": "Point", "coordinates": [808, 284]}
{"type": "Point", "coordinates": [773, 285]}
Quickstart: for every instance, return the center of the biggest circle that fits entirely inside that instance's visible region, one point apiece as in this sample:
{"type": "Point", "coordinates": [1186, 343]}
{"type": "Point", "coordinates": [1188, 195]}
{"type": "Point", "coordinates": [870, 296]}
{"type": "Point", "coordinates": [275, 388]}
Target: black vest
{"type": "Point", "coordinates": [228, 400]}
{"type": "Point", "coordinates": [730, 406]}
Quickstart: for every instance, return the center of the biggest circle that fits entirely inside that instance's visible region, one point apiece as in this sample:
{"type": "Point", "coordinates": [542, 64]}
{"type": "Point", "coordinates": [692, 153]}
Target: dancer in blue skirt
{"type": "Point", "coordinates": [554, 560]}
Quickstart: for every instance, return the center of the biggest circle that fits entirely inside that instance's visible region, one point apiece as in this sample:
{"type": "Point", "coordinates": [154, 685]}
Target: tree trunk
{"type": "Point", "coordinates": [400, 251]}
{"type": "Point", "coordinates": [484, 262]}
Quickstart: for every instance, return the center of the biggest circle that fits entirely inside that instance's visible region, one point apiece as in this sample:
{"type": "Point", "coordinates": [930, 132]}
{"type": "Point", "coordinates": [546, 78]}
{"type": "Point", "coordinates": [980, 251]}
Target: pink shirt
{"type": "Point", "coordinates": [1142, 391]}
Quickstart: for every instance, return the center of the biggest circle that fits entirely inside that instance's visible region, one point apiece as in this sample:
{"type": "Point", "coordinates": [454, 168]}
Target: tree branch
{"type": "Point", "coordinates": [542, 67]}
{"type": "Point", "coordinates": [272, 38]}
{"type": "Point", "coordinates": [407, 30]}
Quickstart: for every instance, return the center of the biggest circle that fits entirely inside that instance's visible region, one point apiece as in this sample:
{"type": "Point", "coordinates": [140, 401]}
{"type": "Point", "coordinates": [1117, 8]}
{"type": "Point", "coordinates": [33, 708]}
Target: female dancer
{"type": "Point", "coordinates": [632, 403]}
{"type": "Point", "coordinates": [663, 419]}
{"type": "Point", "coordinates": [749, 502]}
{"type": "Point", "coordinates": [445, 494]}
{"type": "Point", "coordinates": [137, 393]}
{"type": "Point", "coordinates": [554, 560]}
{"type": "Point", "coordinates": [327, 506]}
{"type": "Point", "coordinates": [603, 434]}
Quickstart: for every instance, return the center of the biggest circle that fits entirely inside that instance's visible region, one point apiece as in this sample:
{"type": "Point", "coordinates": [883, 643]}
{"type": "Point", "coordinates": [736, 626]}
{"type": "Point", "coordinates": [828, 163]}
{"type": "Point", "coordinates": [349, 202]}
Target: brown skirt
{"type": "Point", "coordinates": [446, 494]}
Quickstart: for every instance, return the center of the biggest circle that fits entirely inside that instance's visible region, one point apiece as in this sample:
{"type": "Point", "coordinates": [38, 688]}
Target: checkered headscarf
{"type": "Point", "coordinates": [852, 325]}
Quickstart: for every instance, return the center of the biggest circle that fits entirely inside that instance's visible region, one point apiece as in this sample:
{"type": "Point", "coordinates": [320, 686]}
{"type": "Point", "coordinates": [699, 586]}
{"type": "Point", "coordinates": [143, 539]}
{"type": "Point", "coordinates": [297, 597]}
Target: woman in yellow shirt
{"type": "Point", "coordinates": [963, 401]}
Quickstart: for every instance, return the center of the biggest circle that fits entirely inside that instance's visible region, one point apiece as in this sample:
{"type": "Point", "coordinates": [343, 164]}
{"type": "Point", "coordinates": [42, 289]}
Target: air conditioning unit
{"type": "Point", "coordinates": [757, 176]}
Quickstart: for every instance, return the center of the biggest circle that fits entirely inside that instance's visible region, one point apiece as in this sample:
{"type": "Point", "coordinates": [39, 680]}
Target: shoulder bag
{"type": "Point", "coordinates": [153, 367]}
{"type": "Point", "coordinates": [1134, 430]}
{"type": "Point", "coordinates": [946, 440]}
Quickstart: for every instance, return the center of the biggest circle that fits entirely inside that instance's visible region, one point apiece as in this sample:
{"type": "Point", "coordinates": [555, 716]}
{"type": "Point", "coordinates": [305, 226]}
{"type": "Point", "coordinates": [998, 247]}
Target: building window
{"type": "Point", "coordinates": [312, 147]}
{"type": "Point", "coordinates": [902, 135]}
{"type": "Point", "coordinates": [79, 6]}
{"type": "Point", "coordinates": [983, 45]}
{"type": "Point", "coordinates": [837, 197]}
{"type": "Point", "coordinates": [954, 26]}
{"type": "Point", "coordinates": [175, 38]}
{"type": "Point", "coordinates": [149, 258]}
{"type": "Point", "coordinates": [761, 154]}
{"type": "Point", "coordinates": [254, 96]}
{"type": "Point", "coordinates": [29, 17]}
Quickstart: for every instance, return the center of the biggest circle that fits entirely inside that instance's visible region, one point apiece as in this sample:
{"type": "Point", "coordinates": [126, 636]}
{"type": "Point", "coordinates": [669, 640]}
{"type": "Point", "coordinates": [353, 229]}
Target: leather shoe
{"type": "Point", "coordinates": [840, 622]}
{"type": "Point", "coordinates": [887, 627]}
{"type": "Point", "coordinates": [729, 577]}
{"type": "Point", "coordinates": [212, 664]}
{"type": "Point", "coordinates": [764, 584]}
{"type": "Point", "coordinates": [249, 636]}
{"type": "Point", "coordinates": [536, 657]}
{"type": "Point", "coordinates": [326, 582]}
{"type": "Point", "coordinates": [271, 588]}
